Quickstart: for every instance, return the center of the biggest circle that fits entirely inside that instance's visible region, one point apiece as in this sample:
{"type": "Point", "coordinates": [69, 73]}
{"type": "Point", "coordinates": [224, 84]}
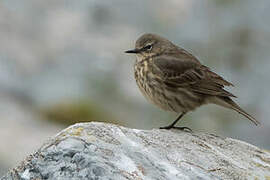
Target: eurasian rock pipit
{"type": "Point", "coordinates": [175, 80]}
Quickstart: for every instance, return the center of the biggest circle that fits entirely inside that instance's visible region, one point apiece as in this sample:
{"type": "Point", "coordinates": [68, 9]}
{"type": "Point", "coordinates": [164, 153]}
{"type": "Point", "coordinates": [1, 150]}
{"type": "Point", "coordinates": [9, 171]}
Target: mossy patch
{"type": "Point", "coordinates": [72, 112]}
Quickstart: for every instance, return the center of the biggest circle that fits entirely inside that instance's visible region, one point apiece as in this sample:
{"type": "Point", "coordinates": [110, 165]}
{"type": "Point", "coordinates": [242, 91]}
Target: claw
{"type": "Point", "coordinates": [187, 129]}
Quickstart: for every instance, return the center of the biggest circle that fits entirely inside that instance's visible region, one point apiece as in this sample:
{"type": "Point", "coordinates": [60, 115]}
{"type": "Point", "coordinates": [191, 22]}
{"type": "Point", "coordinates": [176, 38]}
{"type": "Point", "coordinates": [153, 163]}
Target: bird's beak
{"type": "Point", "coordinates": [135, 51]}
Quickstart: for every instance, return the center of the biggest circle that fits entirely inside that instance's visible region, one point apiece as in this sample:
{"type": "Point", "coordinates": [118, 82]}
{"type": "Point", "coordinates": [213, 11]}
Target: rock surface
{"type": "Point", "coordinates": [105, 151]}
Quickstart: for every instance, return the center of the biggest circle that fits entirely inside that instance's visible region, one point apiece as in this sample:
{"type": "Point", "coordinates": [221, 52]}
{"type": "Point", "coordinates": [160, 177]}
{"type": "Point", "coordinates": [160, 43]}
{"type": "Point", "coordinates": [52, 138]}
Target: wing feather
{"type": "Point", "coordinates": [187, 72]}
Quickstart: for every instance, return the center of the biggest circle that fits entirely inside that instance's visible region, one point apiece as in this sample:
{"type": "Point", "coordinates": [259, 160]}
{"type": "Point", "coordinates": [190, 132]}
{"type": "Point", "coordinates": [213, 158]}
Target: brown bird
{"type": "Point", "coordinates": [174, 80]}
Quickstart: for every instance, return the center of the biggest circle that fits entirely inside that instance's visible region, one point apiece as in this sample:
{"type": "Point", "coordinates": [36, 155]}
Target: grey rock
{"type": "Point", "coordinates": [105, 151]}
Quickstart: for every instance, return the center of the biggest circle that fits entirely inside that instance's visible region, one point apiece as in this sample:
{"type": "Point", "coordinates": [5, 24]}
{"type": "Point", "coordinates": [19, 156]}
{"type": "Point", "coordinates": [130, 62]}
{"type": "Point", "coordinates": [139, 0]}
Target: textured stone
{"type": "Point", "coordinates": [105, 151]}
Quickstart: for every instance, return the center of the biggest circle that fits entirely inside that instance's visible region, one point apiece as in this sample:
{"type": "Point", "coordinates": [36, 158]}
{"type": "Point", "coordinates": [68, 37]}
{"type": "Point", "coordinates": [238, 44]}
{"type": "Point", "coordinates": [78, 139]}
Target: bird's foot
{"type": "Point", "coordinates": [175, 127]}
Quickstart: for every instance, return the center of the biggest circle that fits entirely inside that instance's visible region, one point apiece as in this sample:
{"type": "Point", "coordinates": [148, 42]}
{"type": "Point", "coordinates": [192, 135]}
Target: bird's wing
{"type": "Point", "coordinates": [187, 72]}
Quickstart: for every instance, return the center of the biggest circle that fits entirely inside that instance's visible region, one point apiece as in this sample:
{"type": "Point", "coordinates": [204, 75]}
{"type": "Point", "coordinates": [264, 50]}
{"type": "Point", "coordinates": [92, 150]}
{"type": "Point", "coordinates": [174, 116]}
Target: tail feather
{"type": "Point", "coordinates": [229, 103]}
{"type": "Point", "coordinates": [241, 111]}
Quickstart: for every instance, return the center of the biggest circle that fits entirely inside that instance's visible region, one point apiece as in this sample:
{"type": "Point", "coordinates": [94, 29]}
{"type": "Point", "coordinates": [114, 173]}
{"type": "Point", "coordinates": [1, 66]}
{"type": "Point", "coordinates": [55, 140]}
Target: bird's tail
{"type": "Point", "coordinates": [229, 103]}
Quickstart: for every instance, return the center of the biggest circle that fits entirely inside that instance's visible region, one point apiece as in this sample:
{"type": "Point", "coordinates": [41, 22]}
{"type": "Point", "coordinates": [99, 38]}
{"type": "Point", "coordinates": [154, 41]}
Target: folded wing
{"type": "Point", "coordinates": [187, 72]}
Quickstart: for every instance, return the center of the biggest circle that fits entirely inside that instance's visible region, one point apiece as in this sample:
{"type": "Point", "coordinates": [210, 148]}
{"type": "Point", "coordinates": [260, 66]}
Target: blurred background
{"type": "Point", "coordinates": [63, 62]}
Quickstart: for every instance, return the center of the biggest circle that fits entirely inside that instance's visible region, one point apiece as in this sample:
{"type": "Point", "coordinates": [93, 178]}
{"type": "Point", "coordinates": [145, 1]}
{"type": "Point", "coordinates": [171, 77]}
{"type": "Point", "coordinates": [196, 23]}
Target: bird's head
{"type": "Point", "coordinates": [149, 45]}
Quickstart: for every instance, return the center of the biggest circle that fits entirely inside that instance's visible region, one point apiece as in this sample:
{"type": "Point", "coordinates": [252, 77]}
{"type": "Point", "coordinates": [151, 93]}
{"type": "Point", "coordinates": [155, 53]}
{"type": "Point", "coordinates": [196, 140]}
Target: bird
{"type": "Point", "coordinates": [173, 79]}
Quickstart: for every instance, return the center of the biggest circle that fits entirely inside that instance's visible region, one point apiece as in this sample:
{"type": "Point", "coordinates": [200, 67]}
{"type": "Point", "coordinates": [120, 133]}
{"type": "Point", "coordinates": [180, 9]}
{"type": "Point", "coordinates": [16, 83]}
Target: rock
{"type": "Point", "coordinates": [106, 151]}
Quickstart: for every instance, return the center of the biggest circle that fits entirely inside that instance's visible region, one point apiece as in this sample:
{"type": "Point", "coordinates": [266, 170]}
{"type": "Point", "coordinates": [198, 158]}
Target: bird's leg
{"type": "Point", "coordinates": [171, 126]}
{"type": "Point", "coordinates": [174, 122]}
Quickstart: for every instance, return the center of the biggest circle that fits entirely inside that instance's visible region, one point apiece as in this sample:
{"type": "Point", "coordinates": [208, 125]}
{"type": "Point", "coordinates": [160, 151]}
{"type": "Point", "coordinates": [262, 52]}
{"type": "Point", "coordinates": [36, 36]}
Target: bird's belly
{"type": "Point", "coordinates": [154, 95]}
{"type": "Point", "coordinates": [176, 100]}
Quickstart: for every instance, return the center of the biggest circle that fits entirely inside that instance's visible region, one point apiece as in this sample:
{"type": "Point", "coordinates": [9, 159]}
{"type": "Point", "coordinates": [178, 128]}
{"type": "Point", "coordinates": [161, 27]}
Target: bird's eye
{"type": "Point", "coordinates": [148, 47]}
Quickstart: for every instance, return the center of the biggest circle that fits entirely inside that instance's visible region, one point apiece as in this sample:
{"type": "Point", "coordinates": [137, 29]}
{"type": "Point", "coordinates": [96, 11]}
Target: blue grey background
{"type": "Point", "coordinates": [63, 61]}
